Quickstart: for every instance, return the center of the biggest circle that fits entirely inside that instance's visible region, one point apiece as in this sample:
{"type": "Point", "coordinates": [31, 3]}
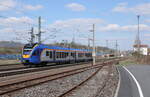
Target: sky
{"type": "Point", "coordinates": [68, 19]}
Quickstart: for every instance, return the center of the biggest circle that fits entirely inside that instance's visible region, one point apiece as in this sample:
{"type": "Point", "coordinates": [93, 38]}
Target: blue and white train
{"type": "Point", "coordinates": [40, 54]}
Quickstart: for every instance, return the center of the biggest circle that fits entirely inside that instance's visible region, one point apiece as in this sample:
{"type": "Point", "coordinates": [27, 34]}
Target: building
{"type": "Point", "coordinates": [143, 49]}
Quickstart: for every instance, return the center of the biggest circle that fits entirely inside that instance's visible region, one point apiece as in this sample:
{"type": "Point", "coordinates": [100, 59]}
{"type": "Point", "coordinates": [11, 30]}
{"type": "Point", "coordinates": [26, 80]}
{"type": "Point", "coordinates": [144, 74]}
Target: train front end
{"type": "Point", "coordinates": [30, 54]}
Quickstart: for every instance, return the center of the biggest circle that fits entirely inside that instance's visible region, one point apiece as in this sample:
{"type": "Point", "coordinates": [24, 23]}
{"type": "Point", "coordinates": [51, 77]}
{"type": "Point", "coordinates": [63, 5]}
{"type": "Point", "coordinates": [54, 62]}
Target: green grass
{"type": "Point", "coordinates": [127, 62]}
{"type": "Point", "coordinates": [10, 50]}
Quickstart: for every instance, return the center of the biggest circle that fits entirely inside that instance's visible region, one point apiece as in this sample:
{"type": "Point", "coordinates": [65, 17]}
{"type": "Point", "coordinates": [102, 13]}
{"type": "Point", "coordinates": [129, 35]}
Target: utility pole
{"type": "Point", "coordinates": [32, 35]}
{"type": "Point", "coordinates": [72, 44]}
{"type": "Point", "coordinates": [93, 53]}
{"type": "Point", "coordinates": [138, 34]}
{"type": "Point", "coordinates": [39, 30]}
{"type": "Point", "coordinates": [88, 42]}
{"type": "Point", "coordinates": [137, 40]}
{"type": "Point", "coordinates": [106, 43]}
{"type": "Point", "coordinates": [116, 45]}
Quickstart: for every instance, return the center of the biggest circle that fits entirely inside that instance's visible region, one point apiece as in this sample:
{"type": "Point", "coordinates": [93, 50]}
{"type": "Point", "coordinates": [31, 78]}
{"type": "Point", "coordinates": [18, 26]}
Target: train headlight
{"type": "Point", "coordinates": [26, 56]}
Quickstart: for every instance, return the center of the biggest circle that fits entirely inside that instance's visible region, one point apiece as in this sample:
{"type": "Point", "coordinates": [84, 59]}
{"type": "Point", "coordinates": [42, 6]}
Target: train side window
{"type": "Point", "coordinates": [47, 53]}
{"type": "Point", "coordinates": [73, 54]}
{"type": "Point", "coordinates": [50, 54]}
{"type": "Point", "coordinates": [80, 54]}
{"type": "Point", "coordinates": [62, 54]}
{"type": "Point", "coordinates": [57, 54]}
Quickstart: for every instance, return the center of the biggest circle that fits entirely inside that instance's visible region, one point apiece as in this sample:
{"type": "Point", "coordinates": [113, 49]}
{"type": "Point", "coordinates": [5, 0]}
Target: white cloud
{"type": "Point", "coordinates": [15, 27]}
{"type": "Point", "coordinates": [79, 27]}
{"type": "Point", "coordinates": [76, 7]}
{"type": "Point", "coordinates": [142, 9]}
{"type": "Point", "coordinates": [78, 23]}
{"type": "Point", "coordinates": [31, 7]}
{"type": "Point", "coordinates": [110, 27]}
{"type": "Point", "coordinates": [14, 21]}
{"type": "Point", "coordinates": [6, 30]}
{"type": "Point", "coordinates": [147, 21]}
{"type": "Point", "coordinates": [126, 28]}
{"type": "Point", "coordinates": [7, 4]}
{"type": "Point", "coordinates": [85, 24]}
{"type": "Point", "coordinates": [147, 35]}
{"type": "Point", "coordinates": [121, 7]}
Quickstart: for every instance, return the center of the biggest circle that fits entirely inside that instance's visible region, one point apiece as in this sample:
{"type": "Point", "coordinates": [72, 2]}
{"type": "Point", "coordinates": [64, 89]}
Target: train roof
{"type": "Point", "coordinates": [62, 48]}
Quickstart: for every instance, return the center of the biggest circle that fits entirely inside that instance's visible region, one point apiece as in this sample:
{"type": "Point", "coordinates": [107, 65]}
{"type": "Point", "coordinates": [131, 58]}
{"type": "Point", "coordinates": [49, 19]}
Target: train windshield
{"type": "Point", "coordinates": [28, 48]}
{"type": "Point", "coordinates": [27, 51]}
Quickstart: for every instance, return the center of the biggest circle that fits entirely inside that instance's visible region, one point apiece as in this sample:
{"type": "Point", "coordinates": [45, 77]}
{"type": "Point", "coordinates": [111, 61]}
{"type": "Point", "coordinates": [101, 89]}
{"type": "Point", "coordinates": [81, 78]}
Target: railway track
{"type": "Point", "coordinates": [7, 86]}
{"type": "Point", "coordinates": [18, 66]}
{"type": "Point", "coordinates": [10, 64]}
{"type": "Point", "coordinates": [21, 70]}
{"type": "Point", "coordinates": [87, 79]}
{"type": "Point", "coordinates": [16, 71]}
{"type": "Point", "coordinates": [104, 83]}
{"type": "Point", "coordinates": [21, 82]}
{"type": "Point", "coordinates": [8, 67]}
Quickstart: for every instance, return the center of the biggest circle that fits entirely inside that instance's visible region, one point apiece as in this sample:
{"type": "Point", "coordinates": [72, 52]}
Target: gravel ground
{"type": "Point", "coordinates": [111, 85]}
{"type": "Point", "coordinates": [89, 89]}
{"type": "Point", "coordinates": [53, 88]}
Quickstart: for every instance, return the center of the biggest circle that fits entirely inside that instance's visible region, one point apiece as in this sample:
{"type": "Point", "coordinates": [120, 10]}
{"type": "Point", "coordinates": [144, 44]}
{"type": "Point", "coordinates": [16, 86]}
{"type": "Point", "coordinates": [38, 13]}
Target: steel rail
{"type": "Point", "coordinates": [14, 71]}
{"type": "Point", "coordinates": [75, 87]}
{"type": "Point", "coordinates": [8, 87]}
{"type": "Point", "coordinates": [104, 84]}
{"type": "Point", "coordinates": [10, 64]}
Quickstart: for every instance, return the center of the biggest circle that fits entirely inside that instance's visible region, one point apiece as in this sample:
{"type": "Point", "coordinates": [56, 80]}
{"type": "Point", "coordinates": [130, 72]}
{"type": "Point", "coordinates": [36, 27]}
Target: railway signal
{"type": "Point", "coordinates": [116, 45]}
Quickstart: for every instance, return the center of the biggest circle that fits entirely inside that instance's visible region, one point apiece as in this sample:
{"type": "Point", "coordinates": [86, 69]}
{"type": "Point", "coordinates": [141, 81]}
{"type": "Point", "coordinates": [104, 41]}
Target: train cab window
{"type": "Point", "coordinates": [36, 52]}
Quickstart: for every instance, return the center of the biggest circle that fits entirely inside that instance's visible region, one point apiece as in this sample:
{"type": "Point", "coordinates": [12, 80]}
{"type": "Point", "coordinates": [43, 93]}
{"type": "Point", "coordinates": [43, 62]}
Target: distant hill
{"type": "Point", "coordinates": [9, 47]}
{"type": "Point", "coordinates": [10, 44]}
